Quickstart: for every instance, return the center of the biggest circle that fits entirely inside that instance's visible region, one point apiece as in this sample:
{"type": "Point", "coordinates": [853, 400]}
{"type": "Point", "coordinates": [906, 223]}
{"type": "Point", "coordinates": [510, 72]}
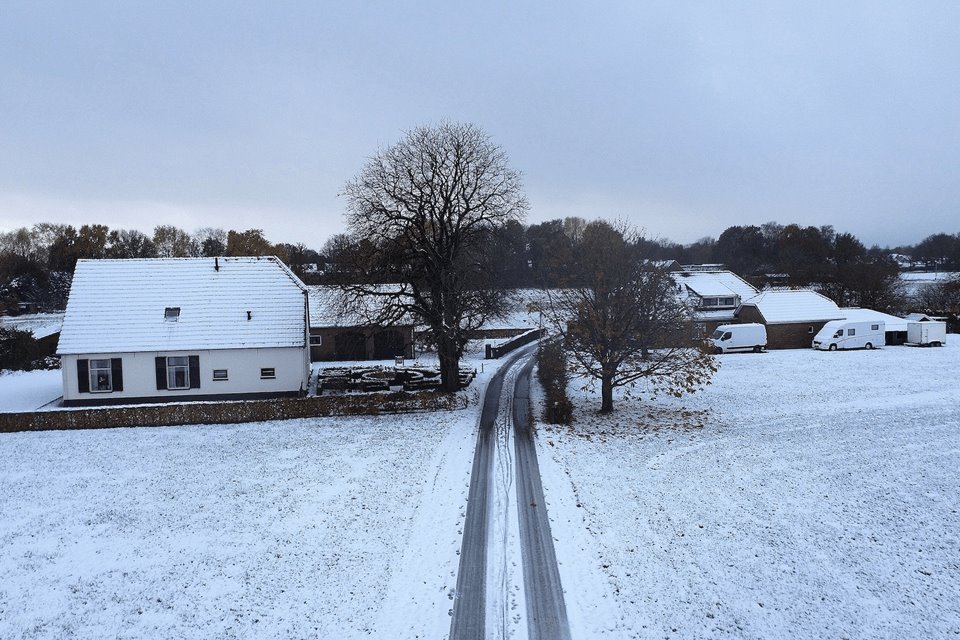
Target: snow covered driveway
{"type": "Point", "coordinates": [804, 494]}
{"type": "Point", "coordinates": [327, 528]}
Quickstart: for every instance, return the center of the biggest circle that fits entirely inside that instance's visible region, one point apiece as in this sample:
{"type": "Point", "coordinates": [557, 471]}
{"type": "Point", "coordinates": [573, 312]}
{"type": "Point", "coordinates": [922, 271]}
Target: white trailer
{"type": "Point", "coordinates": [845, 334]}
{"type": "Point", "coordinates": [926, 334]}
{"type": "Point", "coordinates": [749, 336]}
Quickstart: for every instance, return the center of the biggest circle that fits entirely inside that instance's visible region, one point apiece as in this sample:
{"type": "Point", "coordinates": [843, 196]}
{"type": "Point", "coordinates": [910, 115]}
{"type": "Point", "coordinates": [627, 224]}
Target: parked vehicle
{"type": "Point", "coordinates": [844, 334]}
{"type": "Point", "coordinates": [739, 337]}
{"type": "Point", "coordinates": [926, 334]}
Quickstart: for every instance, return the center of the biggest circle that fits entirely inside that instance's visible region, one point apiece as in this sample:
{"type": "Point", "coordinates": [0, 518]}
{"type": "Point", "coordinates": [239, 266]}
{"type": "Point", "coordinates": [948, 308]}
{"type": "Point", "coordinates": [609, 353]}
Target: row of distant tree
{"type": "Point", "coordinates": [36, 263]}
{"type": "Point", "coordinates": [540, 254]}
{"type": "Point", "coordinates": [47, 247]}
{"type": "Point", "coordinates": [526, 255]}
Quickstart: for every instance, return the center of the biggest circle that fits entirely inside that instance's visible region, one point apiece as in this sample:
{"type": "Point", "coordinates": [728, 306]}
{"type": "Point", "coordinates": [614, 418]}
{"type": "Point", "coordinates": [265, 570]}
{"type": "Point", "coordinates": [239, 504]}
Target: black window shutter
{"type": "Point", "coordinates": [161, 372]}
{"type": "Point", "coordinates": [83, 376]}
{"type": "Point", "coordinates": [194, 372]}
{"type": "Point", "coordinates": [116, 367]}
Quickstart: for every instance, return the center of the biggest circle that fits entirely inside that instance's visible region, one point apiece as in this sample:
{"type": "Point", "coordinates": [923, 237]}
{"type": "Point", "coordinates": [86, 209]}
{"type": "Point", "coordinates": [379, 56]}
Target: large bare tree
{"type": "Point", "coordinates": [622, 321]}
{"type": "Point", "coordinates": [422, 211]}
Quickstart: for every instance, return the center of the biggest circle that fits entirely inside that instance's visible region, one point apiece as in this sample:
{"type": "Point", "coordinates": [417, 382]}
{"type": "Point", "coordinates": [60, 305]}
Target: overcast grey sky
{"type": "Point", "coordinates": [683, 117]}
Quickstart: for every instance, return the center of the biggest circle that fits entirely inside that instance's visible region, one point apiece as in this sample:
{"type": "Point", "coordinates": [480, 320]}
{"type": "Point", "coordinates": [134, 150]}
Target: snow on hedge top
{"type": "Point", "coordinates": [793, 305]}
{"type": "Point", "coordinates": [715, 284]}
{"type": "Point", "coordinates": [119, 306]}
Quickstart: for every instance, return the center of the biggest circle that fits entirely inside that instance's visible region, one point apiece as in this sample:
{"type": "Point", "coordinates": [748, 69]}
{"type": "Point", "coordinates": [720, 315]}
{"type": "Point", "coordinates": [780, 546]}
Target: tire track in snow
{"type": "Point", "coordinates": [469, 613]}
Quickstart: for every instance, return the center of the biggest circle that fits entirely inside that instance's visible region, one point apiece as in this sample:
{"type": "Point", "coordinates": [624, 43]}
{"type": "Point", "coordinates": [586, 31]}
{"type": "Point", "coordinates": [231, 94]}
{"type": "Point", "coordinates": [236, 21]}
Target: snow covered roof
{"type": "Point", "coordinates": [714, 315]}
{"type": "Point", "coordinates": [793, 305]}
{"type": "Point", "coordinates": [892, 323]}
{"type": "Point", "coordinates": [41, 325]}
{"type": "Point", "coordinates": [922, 317]}
{"type": "Point", "coordinates": [715, 283]}
{"type": "Point", "coordinates": [176, 304]}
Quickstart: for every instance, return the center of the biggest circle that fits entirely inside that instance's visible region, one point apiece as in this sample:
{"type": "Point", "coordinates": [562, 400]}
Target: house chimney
{"type": "Point", "coordinates": [216, 263]}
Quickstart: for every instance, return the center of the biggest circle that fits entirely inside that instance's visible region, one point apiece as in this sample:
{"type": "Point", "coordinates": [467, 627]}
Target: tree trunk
{"type": "Point", "coordinates": [449, 366]}
{"type": "Point", "coordinates": [606, 394]}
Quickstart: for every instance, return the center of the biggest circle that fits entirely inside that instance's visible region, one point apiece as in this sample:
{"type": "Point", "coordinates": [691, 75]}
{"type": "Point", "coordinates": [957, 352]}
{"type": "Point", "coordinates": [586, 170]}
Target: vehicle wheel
{"type": "Point", "coordinates": [935, 344]}
{"type": "Point", "coordinates": [869, 346]}
{"type": "Point", "coordinates": [833, 347]}
{"type": "Point", "coordinates": [717, 350]}
{"type": "Point", "coordinates": [757, 349]}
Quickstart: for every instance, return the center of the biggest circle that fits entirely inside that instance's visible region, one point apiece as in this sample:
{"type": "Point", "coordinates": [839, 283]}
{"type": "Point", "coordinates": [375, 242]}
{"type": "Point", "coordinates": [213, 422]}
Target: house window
{"type": "Point", "coordinates": [178, 372]}
{"type": "Point", "coordinates": [809, 329]}
{"type": "Point", "coordinates": [875, 327]}
{"type": "Point", "coordinates": [316, 341]}
{"type": "Point", "coordinates": [220, 374]}
{"type": "Point", "coordinates": [171, 314]}
{"type": "Point", "coordinates": [101, 376]}
{"type": "Point", "coordinates": [718, 302]}
{"type": "Point", "coordinates": [268, 373]}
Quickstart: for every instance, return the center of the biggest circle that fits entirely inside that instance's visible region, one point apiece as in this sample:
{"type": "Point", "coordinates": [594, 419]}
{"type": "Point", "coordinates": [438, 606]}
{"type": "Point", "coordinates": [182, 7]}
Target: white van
{"type": "Point", "coordinates": [739, 337]}
{"type": "Point", "coordinates": [843, 334]}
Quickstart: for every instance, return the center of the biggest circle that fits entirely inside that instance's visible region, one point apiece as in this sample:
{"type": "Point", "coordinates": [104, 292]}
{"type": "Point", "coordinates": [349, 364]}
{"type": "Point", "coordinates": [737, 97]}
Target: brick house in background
{"type": "Point", "coordinates": [792, 317]}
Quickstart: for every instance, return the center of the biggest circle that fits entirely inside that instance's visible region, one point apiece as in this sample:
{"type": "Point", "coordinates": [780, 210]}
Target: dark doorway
{"type": "Point", "coordinates": [387, 344]}
{"type": "Point", "coordinates": [350, 345]}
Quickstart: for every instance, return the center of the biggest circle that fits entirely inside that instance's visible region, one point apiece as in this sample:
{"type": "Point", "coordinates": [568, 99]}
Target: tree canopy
{"type": "Point", "coordinates": [622, 321]}
{"type": "Point", "coordinates": [424, 212]}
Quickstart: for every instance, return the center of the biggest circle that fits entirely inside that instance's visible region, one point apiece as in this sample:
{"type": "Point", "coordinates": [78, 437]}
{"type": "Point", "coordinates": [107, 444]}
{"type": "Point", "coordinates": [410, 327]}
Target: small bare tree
{"type": "Point", "coordinates": [422, 212]}
{"type": "Point", "coordinates": [622, 321]}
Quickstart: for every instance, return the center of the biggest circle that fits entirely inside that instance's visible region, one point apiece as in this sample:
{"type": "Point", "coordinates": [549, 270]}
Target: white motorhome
{"type": "Point", "coordinates": [927, 334]}
{"type": "Point", "coordinates": [730, 338]}
{"type": "Point", "coordinates": [846, 334]}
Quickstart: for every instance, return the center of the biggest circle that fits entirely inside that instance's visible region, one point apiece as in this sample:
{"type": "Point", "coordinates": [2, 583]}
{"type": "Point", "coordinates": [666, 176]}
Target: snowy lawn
{"type": "Point", "coordinates": [326, 528]}
{"type": "Point", "coordinates": [29, 390]}
{"type": "Point", "coordinates": [804, 494]}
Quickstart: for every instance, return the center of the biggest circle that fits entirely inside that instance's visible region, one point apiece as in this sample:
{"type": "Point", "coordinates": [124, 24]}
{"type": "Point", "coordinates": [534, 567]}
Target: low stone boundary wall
{"type": "Point", "coordinates": [229, 412]}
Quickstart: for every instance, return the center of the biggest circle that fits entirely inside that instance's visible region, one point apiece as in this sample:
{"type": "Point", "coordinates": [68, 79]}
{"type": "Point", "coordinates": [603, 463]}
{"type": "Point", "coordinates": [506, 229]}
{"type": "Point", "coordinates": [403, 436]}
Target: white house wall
{"type": "Point", "coordinates": [291, 365]}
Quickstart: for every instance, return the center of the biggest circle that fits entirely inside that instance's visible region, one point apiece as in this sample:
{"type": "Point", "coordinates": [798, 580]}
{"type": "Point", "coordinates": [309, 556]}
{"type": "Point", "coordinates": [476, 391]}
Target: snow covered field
{"type": "Point", "coordinates": [327, 528]}
{"type": "Point", "coordinates": [804, 495]}
{"type": "Point", "coordinates": [29, 390]}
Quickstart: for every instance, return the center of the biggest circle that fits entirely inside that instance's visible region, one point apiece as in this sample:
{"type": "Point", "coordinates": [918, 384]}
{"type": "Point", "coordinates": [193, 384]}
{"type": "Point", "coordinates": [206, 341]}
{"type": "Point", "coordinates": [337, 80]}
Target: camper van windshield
{"type": "Point", "coordinates": [716, 334]}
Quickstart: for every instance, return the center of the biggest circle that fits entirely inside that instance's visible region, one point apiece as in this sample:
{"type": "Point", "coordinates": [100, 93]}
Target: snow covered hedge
{"type": "Point", "coordinates": [229, 412]}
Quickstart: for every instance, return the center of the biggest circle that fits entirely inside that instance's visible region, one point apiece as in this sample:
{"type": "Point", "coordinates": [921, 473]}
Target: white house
{"type": "Point", "coordinates": [155, 330]}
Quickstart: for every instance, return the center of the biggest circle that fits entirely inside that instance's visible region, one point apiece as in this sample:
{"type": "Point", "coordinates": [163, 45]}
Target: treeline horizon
{"type": "Point", "coordinates": [536, 255]}
{"type": "Point", "coordinates": [528, 255]}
